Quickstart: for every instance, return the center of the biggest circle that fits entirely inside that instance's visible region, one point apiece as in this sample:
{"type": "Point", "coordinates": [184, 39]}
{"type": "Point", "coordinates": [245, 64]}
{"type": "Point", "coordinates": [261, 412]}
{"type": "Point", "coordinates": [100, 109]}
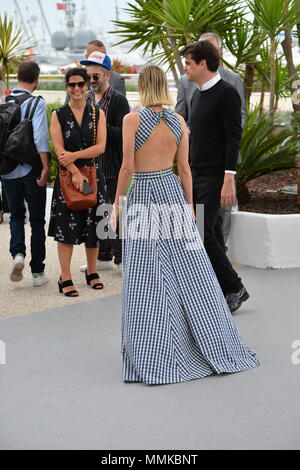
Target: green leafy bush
{"type": "Point", "coordinates": [265, 148]}
{"type": "Point", "coordinates": [51, 85]}
{"type": "Point", "coordinates": [54, 163]}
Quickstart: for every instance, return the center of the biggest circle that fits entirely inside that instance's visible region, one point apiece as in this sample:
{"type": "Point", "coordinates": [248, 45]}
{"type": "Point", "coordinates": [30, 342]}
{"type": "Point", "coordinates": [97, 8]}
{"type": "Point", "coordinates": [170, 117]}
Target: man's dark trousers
{"type": "Point", "coordinates": [207, 191]}
{"type": "Point", "coordinates": [3, 202]}
{"type": "Point", "coordinates": [109, 248]}
{"type": "Point", "coordinates": [17, 190]}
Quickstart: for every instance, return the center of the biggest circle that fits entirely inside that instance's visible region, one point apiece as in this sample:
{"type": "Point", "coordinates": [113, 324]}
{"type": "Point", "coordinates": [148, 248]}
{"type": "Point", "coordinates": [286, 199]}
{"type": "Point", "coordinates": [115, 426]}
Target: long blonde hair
{"type": "Point", "coordinates": [153, 87]}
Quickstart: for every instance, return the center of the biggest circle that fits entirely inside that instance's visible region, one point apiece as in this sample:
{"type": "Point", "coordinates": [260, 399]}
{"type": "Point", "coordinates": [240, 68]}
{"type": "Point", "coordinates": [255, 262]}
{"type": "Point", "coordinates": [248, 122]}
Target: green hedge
{"type": "Point", "coordinates": [60, 86]}
{"type": "Point", "coordinates": [54, 163]}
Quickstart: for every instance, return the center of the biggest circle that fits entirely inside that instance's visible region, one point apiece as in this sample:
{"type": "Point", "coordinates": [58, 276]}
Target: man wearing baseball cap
{"type": "Point", "coordinates": [97, 58]}
{"type": "Point", "coordinates": [116, 80]}
{"type": "Point", "coordinates": [115, 107]}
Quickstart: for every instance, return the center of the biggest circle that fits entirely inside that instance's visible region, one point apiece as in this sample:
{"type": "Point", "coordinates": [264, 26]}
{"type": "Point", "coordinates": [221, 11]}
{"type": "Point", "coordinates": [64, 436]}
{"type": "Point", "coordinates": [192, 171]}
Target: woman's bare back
{"type": "Point", "coordinates": [159, 150]}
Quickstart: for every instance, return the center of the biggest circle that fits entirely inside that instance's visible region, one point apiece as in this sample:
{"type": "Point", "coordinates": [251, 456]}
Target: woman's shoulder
{"type": "Point", "coordinates": [179, 117]}
{"type": "Point", "coordinates": [65, 107]}
{"type": "Point", "coordinates": [61, 110]}
{"type": "Point", "coordinates": [132, 120]}
{"type": "Point", "coordinates": [133, 116]}
{"type": "Point", "coordinates": [182, 123]}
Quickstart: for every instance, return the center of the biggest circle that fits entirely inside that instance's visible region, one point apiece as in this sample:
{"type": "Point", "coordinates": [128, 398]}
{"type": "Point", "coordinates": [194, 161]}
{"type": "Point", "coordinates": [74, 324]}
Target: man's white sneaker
{"type": "Point", "coordinates": [100, 266]}
{"type": "Point", "coordinates": [39, 279]}
{"type": "Point", "coordinates": [18, 266]}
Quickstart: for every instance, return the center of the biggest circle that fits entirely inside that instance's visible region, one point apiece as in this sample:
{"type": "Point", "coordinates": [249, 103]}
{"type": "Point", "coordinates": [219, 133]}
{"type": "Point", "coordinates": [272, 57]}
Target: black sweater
{"type": "Point", "coordinates": [215, 130]}
{"type": "Point", "coordinates": [117, 109]}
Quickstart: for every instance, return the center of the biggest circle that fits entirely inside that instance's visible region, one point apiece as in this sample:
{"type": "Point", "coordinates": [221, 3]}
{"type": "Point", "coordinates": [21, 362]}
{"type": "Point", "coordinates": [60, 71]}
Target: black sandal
{"type": "Point", "coordinates": [68, 283]}
{"type": "Point", "coordinates": [91, 277]}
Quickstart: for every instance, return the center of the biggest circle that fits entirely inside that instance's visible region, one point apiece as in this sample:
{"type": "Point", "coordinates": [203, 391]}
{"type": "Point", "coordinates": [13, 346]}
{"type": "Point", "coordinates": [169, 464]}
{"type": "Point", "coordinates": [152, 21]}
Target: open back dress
{"type": "Point", "coordinates": [176, 325]}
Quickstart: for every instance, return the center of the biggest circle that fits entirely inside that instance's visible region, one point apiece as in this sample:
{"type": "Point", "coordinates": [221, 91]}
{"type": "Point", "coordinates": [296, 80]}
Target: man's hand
{"type": "Point", "coordinates": [228, 194]}
{"type": "Point", "coordinates": [42, 180]}
{"type": "Point", "coordinates": [65, 158]}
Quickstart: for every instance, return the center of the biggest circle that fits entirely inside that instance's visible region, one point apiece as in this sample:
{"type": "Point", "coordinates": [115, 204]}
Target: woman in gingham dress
{"type": "Point", "coordinates": [176, 325]}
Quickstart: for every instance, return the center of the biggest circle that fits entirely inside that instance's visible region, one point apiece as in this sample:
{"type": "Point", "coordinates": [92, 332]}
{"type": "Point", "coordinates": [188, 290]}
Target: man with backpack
{"type": "Point", "coordinates": [26, 181]}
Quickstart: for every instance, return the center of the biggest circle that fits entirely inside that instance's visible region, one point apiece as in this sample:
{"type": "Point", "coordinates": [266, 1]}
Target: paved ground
{"type": "Point", "coordinates": [61, 386]}
{"type": "Point", "coordinates": [20, 298]}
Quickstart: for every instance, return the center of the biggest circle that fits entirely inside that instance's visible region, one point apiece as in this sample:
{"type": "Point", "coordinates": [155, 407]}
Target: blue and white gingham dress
{"type": "Point", "coordinates": [176, 325]}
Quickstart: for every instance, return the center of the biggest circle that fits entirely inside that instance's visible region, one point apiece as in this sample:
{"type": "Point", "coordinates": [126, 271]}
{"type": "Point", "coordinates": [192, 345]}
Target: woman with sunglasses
{"type": "Point", "coordinates": [72, 132]}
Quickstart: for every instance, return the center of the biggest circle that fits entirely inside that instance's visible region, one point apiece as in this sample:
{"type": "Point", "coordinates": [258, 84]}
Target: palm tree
{"type": "Point", "coordinates": [243, 41]}
{"type": "Point", "coordinates": [162, 27]}
{"type": "Point", "coordinates": [287, 49]}
{"type": "Point", "coordinates": [273, 17]}
{"type": "Point", "coordinates": [282, 78]}
{"type": "Point", "coordinates": [12, 48]}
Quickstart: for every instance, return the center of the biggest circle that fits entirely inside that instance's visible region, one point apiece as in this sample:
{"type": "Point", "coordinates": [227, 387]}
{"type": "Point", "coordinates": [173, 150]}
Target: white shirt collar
{"type": "Point", "coordinates": [210, 83]}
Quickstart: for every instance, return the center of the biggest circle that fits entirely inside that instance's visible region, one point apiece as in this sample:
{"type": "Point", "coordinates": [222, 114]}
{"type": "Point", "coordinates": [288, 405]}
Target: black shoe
{"type": "Point", "coordinates": [68, 283]}
{"type": "Point", "coordinates": [91, 277]}
{"type": "Point", "coordinates": [235, 299]}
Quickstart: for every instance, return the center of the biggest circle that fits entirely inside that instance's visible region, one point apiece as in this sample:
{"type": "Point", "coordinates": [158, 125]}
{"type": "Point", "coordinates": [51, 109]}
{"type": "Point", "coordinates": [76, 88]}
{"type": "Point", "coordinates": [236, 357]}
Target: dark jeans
{"type": "Point", "coordinates": [17, 190]}
{"type": "Point", "coordinates": [109, 248]}
{"type": "Point", "coordinates": [207, 191]}
{"type": "Point", "coordinates": [3, 199]}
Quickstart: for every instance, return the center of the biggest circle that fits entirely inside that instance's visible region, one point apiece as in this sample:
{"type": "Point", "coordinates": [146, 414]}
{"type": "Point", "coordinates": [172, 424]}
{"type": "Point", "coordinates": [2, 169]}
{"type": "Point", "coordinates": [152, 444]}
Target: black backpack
{"type": "Point", "coordinates": [16, 138]}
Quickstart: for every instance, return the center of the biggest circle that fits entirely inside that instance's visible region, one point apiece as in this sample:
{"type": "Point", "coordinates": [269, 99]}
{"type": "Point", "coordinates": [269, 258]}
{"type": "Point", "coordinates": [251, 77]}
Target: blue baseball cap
{"type": "Point", "coordinates": [97, 58]}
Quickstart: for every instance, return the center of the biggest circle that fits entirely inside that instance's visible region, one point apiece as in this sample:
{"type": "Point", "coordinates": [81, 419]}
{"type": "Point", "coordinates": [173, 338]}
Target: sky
{"type": "Point", "coordinates": [99, 14]}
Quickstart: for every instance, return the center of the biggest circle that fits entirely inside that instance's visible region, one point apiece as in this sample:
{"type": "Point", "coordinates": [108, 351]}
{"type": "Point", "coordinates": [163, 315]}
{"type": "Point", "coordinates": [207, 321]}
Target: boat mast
{"type": "Point", "coordinates": [22, 19]}
{"type": "Point", "coordinates": [70, 12]}
{"type": "Point", "coordinates": [44, 18]}
{"type": "Point", "coordinates": [117, 10]}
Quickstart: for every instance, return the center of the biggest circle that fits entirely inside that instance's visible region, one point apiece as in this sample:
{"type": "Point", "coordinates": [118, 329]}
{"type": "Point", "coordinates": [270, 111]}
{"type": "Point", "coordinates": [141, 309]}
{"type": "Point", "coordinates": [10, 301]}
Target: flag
{"type": "Point", "coordinates": [61, 6]}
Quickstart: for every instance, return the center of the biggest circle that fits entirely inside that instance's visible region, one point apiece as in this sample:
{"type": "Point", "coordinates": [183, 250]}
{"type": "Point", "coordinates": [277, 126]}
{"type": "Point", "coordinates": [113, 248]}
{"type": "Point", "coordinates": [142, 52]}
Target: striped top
{"type": "Point", "coordinates": [149, 118]}
{"type": "Point", "coordinates": [103, 104]}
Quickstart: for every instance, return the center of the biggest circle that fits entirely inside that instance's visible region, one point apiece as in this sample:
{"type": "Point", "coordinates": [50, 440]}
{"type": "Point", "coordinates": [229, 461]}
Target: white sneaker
{"type": "Point", "coordinates": [39, 279]}
{"type": "Point", "coordinates": [100, 266]}
{"type": "Point", "coordinates": [18, 266]}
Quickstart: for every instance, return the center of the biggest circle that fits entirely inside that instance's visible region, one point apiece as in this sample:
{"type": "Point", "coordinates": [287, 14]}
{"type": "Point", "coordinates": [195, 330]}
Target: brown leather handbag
{"type": "Point", "coordinates": [75, 199]}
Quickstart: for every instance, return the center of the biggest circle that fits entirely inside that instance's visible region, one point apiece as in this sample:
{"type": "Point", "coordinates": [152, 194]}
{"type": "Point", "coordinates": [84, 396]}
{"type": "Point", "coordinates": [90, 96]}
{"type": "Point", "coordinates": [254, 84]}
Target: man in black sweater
{"type": "Point", "coordinates": [115, 106]}
{"type": "Point", "coordinates": [214, 147]}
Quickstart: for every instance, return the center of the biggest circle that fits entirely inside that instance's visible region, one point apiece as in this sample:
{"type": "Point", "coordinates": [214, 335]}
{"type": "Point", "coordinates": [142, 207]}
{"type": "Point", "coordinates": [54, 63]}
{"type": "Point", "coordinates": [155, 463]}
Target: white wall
{"type": "Point", "coordinates": [265, 240]}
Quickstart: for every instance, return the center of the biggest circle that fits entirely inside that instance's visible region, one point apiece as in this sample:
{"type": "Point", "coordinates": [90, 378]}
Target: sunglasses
{"type": "Point", "coordinates": [74, 84]}
{"type": "Point", "coordinates": [94, 77]}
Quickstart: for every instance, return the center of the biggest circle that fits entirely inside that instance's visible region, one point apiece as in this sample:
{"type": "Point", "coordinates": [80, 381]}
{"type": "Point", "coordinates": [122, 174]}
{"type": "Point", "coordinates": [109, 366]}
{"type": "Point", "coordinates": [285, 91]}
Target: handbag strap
{"type": "Point", "coordinates": [94, 129]}
{"type": "Point", "coordinates": [95, 125]}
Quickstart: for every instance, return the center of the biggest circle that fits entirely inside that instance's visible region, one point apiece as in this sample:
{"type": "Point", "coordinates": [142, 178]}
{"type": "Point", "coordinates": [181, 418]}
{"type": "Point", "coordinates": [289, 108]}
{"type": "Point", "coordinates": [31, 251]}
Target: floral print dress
{"type": "Point", "coordinates": [76, 227]}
